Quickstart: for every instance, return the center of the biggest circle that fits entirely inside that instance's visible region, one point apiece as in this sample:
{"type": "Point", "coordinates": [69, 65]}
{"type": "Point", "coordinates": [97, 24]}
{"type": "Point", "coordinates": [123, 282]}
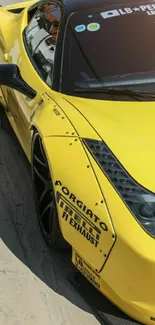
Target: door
{"type": "Point", "coordinates": [34, 52]}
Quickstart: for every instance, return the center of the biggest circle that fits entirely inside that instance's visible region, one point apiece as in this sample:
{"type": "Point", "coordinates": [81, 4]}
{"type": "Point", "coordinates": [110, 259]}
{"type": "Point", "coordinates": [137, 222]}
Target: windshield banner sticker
{"type": "Point", "coordinates": [149, 9]}
{"type": "Point", "coordinates": [110, 14]}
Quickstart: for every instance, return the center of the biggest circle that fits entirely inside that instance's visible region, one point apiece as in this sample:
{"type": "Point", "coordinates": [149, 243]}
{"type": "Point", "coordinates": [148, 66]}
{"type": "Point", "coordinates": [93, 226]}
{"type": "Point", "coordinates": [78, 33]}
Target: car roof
{"type": "Point", "coordinates": [79, 5]}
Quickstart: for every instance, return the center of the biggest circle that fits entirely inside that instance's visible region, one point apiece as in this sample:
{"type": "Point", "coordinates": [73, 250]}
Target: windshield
{"type": "Point", "coordinates": [110, 47]}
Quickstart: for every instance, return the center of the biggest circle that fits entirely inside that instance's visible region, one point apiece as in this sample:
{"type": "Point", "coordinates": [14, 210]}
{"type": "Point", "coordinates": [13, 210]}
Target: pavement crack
{"type": "Point", "coordinates": [11, 272]}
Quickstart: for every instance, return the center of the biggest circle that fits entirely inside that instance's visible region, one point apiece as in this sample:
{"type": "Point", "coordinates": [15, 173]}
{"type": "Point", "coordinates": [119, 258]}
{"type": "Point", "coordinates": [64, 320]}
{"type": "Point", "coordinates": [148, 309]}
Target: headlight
{"type": "Point", "coordinates": [140, 201]}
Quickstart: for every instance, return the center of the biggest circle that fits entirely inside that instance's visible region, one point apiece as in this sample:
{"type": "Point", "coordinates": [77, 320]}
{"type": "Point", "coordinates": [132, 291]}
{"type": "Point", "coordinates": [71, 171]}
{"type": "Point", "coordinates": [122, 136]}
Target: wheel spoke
{"type": "Point", "coordinates": [45, 210]}
{"type": "Point", "coordinates": [48, 188]}
{"type": "Point", "coordinates": [41, 150]}
{"type": "Point", "coordinates": [45, 218]}
{"type": "Point", "coordinates": [50, 215]}
{"type": "Point", "coordinates": [39, 161]}
{"type": "Point", "coordinates": [41, 177]}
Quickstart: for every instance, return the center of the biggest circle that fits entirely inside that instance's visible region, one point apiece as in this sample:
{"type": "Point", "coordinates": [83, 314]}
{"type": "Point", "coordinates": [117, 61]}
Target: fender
{"type": "Point", "coordinates": [84, 219]}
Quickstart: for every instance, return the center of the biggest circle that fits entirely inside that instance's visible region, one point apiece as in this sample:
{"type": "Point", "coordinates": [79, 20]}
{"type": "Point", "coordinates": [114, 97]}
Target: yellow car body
{"type": "Point", "coordinates": [109, 246]}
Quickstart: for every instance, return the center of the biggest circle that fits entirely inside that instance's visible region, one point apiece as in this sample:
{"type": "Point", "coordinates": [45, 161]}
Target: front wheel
{"type": "Point", "coordinates": [44, 197]}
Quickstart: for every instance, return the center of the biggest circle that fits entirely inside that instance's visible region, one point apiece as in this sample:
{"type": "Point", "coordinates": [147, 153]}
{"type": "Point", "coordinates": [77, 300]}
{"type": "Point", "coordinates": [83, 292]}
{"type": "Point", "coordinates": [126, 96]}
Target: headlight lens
{"type": "Point", "coordinates": [140, 201]}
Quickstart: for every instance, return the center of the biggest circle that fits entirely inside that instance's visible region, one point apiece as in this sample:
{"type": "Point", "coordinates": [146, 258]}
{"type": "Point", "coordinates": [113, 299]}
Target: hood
{"type": "Point", "coordinates": [128, 128]}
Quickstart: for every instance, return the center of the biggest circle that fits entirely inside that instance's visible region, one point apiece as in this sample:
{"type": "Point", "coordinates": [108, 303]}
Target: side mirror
{"type": "Point", "coordinates": [10, 76]}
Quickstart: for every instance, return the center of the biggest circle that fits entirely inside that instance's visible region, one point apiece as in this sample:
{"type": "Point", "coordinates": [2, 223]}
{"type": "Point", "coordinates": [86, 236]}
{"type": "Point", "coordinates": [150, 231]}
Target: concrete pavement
{"type": "Point", "coordinates": [34, 285]}
{"type": "Point", "coordinates": [7, 2]}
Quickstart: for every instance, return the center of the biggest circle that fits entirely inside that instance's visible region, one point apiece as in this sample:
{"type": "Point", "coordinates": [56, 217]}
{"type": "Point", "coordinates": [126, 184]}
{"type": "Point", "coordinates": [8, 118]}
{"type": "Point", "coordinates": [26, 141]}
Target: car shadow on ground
{"type": "Point", "coordinates": [17, 205]}
{"type": "Point", "coordinates": [51, 267]}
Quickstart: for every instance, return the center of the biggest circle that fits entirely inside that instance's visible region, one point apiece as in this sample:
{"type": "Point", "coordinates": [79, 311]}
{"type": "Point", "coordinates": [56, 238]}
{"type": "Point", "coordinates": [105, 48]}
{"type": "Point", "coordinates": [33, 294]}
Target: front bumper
{"type": "Point", "coordinates": [128, 280]}
{"type": "Point", "coordinates": [128, 276]}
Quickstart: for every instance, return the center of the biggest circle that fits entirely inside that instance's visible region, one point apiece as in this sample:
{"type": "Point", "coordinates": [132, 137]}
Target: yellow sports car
{"type": "Point", "coordinates": [78, 86]}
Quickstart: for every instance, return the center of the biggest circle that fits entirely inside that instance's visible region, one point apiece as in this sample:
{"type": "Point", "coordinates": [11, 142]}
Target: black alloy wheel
{"type": "Point", "coordinates": [44, 197]}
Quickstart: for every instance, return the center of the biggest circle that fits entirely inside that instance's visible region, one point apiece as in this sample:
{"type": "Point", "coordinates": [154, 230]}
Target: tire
{"type": "Point", "coordinates": [4, 122]}
{"type": "Point", "coordinates": [44, 197]}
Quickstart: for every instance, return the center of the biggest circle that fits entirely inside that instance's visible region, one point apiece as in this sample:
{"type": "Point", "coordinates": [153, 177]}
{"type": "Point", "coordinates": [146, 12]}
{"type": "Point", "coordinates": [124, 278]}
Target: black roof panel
{"type": "Point", "coordinates": [78, 5]}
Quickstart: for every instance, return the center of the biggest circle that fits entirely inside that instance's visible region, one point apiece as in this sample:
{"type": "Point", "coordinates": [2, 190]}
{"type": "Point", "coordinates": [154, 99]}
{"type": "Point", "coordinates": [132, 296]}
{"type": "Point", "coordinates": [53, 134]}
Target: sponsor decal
{"type": "Point", "coordinates": [80, 217]}
{"type": "Point", "coordinates": [149, 9]}
{"type": "Point", "coordinates": [80, 28]}
{"type": "Point", "coordinates": [93, 27]}
{"type": "Point", "coordinates": [82, 207]}
{"type": "Point", "coordinates": [110, 14]}
{"type": "Point", "coordinates": [87, 271]}
{"type": "Point", "coordinates": [78, 221]}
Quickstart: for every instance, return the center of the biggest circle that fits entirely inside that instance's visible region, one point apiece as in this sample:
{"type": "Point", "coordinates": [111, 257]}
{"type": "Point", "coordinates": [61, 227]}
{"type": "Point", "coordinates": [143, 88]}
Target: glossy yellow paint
{"type": "Point", "coordinates": [129, 132]}
{"type": "Point", "coordinates": [120, 262]}
{"type": "Point", "coordinates": [95, 214]}
{"type": "Point", "coordinates": [14, 47]}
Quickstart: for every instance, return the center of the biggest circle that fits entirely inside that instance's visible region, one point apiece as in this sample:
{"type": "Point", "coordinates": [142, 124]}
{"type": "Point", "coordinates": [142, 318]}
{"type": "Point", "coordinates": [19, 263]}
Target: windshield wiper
{"type": "Point", "coordinates": [116, 91]}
